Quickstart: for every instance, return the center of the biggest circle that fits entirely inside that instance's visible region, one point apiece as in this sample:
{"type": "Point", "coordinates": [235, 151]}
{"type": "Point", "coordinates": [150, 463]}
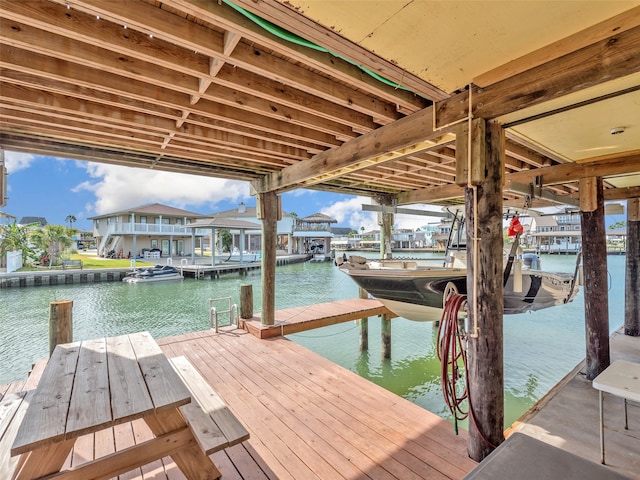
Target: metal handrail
{"type": "Point", "coordinates": [232, 311]}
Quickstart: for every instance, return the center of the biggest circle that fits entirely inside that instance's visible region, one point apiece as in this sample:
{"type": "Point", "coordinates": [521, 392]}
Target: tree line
{"type": "Point", "coordinates": [44, 245]}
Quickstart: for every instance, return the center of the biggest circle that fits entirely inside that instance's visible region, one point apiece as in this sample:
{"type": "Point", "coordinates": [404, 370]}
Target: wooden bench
{"type": "Point", "coordinates": [13, 407]}
{"type": "Point", "coordinates": [71, 264]}
{"type": "Point", "coordinates": [95, 385]}
{"type": "Point", "coordinates": [214, 426]}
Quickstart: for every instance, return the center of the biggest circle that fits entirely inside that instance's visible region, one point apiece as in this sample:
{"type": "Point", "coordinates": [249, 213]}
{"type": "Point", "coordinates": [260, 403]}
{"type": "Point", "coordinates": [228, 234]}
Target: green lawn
{"type": "Point", "coordinates": [93, 263]}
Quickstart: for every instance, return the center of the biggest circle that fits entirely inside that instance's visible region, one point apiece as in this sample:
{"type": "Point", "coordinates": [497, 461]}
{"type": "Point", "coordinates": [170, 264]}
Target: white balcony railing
{"type": "Point", "coordinates": [153, 229]}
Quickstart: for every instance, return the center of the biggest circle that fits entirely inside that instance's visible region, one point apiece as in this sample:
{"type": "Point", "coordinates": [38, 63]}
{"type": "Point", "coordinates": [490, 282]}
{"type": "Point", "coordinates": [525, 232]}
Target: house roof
{"type": "Point", "coordinates": [249, 212]}
{"type": "Point", "coordinates": [220, 222]}
{"type": "Point", "coordinates": [544, 221]}
{"type": "Point", "coordinates": [28, 220]}
{"type": "Point", "coordinates": [318, 218]}
{"type": "Point", "coordinates": [153, 209]}
{"type": "Point", "coordinates": [211, 89]}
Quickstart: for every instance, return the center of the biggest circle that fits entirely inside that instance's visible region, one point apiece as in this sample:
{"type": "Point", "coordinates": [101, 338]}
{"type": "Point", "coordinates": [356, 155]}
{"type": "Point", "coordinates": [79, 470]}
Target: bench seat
{"type": "Point", "coordinates": [72, 264]}
{"type": "Point", "coordinates": [213, 424]}
{"type": "Point", "coordinates": [13, 407]}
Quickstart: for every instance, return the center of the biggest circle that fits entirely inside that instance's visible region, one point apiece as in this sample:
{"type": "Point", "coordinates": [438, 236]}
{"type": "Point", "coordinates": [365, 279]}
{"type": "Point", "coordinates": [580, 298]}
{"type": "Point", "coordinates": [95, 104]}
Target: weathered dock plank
{"type": "Point", "coordinates": [300, 319]}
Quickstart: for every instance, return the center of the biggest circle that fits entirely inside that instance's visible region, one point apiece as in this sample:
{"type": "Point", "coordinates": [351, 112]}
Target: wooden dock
{"type": "Point", "coordinates": [311, 419]}
{"type": "Point", "coordinates": [567, 417]}
{"type": "Point", "coordinates": [199, 271]}
{"type": "Point", "coordinates": [300, 319]}
{"type": "Point", "coordinates": [308, 418]}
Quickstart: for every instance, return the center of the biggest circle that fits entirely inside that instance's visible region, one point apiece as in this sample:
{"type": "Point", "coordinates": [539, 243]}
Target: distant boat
{"type": "Point", "coordinates": [156, 273]}
{"type": "Point", "coordinates": [237, 256]}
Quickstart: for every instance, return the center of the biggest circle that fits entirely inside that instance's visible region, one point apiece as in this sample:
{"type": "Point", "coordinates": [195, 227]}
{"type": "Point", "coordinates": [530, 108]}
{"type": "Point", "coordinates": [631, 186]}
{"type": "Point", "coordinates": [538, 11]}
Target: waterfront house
{"type": "Point", "coordinates": [557, 233]}
{"type": "Point", "coordinates": [312, 234]}
{"type": "Point", "coordinates": [294, 235]}
{"type": "Point", "coordinates": [147, 231]}
{"type": "Point", "coordinates": [253, 237]}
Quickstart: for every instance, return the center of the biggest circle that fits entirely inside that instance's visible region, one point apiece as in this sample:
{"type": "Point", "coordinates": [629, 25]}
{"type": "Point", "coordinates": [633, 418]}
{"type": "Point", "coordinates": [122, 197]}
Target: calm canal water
{"type": "Point", "coordinates": [540, 347]}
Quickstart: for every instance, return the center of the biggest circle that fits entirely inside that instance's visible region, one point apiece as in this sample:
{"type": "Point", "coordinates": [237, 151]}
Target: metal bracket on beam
{"type": "Point", "coordinates": [534, 190]}
{"type": "Point", "coordinates": [405, 211]}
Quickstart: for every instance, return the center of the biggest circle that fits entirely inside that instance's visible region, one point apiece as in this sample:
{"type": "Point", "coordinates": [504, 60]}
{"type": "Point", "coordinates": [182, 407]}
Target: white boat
{"type": "Point", "coordinates": [242, 257]}
{"type": "Point", "coordinates": [156, 273]}
{"type": "Point", "coordinates": [417, 292]}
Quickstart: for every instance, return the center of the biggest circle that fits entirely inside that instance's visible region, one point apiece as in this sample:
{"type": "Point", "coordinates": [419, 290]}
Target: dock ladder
{"type": "Point", "coordinates": [214, 312]}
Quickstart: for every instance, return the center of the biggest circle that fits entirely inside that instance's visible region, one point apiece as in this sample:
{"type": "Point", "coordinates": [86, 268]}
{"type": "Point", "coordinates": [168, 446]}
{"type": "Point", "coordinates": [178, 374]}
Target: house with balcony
{"type": "Point", "coordinates": [313, 235]}
{"type": "Point", "coordinates": [294, 235]}
{"type": "Point", "coordinates": [147, 231]}
{"type": "Point", "coordinates": [252, 240]}
{"type": "Point", "coordinates": [556, 233]}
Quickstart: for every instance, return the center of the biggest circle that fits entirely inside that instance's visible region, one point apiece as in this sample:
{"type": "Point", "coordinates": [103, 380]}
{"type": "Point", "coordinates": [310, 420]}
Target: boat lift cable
{"type": "Point", "coordinates": [576, 275]}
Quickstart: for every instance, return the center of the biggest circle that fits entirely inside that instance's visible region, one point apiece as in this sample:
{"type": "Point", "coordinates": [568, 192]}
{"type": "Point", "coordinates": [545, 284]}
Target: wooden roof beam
{"type": "Point", "coordinates": [606, 60]}
{"type": "Point", "coordinates": [193, 38]}
{"type": "Point", "coordinates": [597, 63]}
{"type": "Point", "coordinates": [294, 22]}
{"type": "Point", "coordinates": [407, 136]}
{"type": "Point", "coordinates": [294, 107]}
{"type": "Point", "coordinates": [557, 174]}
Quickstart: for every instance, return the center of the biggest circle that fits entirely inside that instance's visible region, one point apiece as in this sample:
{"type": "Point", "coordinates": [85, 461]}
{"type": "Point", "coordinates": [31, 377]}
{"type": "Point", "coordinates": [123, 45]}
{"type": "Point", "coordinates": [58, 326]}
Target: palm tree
{"type": "Point", "coordinates": [227, 240]}
{"type": "Point", "coordinates": [53, 239]}
{"type": "Point", "coordinates": [14, 237]}
{"type": "Point", "coordinates": [70, 219]}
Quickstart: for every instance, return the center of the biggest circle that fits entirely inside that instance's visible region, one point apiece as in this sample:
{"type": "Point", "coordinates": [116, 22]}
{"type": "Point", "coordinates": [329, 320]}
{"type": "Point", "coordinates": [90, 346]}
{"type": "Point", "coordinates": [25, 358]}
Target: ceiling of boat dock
{"type": "Point", "coordinates": [351, 96]}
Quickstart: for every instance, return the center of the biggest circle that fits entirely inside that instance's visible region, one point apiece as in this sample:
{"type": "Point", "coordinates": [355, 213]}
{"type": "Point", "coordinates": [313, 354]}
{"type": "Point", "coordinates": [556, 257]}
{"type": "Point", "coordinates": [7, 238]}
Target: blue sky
{"type": "Point", "coordinates": [55, 188]}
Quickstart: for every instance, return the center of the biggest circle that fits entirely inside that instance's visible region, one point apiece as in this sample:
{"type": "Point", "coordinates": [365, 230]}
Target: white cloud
{"type": "Point", "coordinates": [117, 188]}
{"type": "Point", "coordinates": [15, 161]}
{"type": "Point", "coordinates": [349, 213]}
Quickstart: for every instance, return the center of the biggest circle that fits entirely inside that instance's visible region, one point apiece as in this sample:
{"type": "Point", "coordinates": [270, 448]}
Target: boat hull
{"type": "Point", "coordinates": [153, 274]}
{"type": "Point", "coordinates": [418, 294]}
{"type": "Point", "coordinates": [160, 278]}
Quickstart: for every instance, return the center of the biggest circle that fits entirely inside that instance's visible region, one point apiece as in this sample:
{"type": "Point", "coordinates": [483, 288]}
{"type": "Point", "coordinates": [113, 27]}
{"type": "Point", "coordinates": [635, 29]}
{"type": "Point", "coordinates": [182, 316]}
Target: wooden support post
{"type": "Point", "coordinates": [363, 323]}
{"type": "Point", "coordinates": [483, 210]}
{"type": "Point", "coordinates": [246, 301]}
{"type": "Point", "coordinates": [386, 336]}
{"type": "Point", "coordinates": [60, 323]}
{"type": "Point", "coordinates": [269, 213]}
{"type": "Point", "coordinates": [386, 226]}
{"type": "Point", "coordinates": [632, 276]}
{"type": "Point", "coordinates": [594, 260]}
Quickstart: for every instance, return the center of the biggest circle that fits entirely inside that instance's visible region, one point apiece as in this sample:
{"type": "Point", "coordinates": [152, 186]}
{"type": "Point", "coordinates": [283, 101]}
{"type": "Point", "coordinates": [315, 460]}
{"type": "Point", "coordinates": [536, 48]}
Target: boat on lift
{"type": "Point", "coordinates": [157, 273]}
{"type": "Point", "coordinates": [417, 291]}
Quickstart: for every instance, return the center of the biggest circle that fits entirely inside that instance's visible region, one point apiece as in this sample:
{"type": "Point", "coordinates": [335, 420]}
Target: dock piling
{"type": "Point", "coordinates": [60, 323]}
{"type": "Point", "coordinates": [246, 301]}
{"type": "Point", "coordinates": [363, 324]}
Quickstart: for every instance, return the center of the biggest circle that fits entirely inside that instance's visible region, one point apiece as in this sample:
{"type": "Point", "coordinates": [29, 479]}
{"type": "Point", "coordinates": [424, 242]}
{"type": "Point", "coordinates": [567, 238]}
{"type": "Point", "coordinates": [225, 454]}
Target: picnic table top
{"type": "Point", "coordinates": [91, 385]}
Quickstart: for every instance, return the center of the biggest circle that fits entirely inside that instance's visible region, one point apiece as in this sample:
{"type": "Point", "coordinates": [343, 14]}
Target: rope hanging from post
{"type": "Point", "coordinates": [452, 353]}
{"type": "Point", "coordinates": [451, 349]}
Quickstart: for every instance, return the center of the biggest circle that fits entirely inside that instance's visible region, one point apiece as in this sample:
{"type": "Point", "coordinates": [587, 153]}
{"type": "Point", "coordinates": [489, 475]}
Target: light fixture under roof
{"type": "Point", "coordinates": [617, 130]}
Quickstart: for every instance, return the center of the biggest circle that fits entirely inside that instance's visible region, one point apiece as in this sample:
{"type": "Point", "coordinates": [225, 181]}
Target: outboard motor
{"type": "Point", "coordinates": [531, 261]}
